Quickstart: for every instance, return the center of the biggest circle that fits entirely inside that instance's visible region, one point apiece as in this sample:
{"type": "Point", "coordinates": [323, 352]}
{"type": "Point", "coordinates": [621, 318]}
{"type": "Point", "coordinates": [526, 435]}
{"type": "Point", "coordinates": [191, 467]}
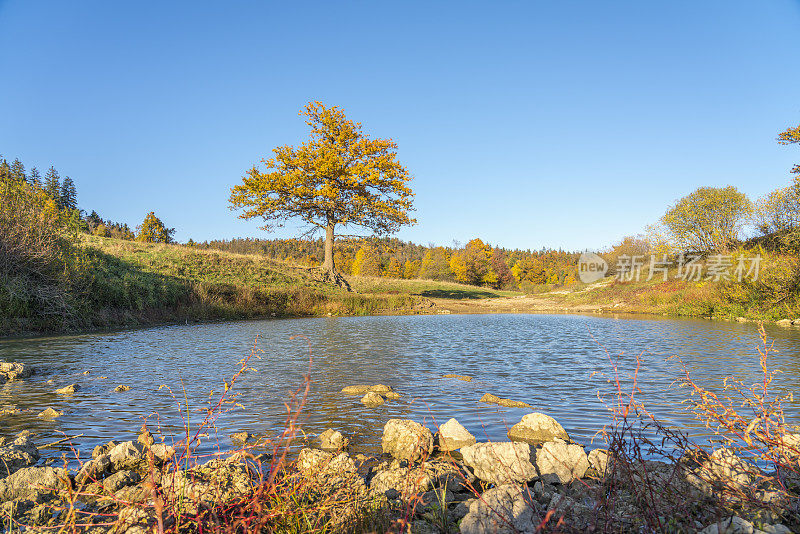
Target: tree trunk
{"type": "Point", "coordinates": [329, 273]}
{"type": "Point", "coordinates": [328, 263]}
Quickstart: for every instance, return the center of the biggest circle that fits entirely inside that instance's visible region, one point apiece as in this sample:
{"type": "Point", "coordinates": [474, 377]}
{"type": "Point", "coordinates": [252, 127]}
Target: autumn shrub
{"type": "Point", "coordinates": [36, 254]}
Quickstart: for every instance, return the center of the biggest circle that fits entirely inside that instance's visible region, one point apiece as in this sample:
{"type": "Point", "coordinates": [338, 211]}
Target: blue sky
{"type": "Point", "coordinates": [528, 124]}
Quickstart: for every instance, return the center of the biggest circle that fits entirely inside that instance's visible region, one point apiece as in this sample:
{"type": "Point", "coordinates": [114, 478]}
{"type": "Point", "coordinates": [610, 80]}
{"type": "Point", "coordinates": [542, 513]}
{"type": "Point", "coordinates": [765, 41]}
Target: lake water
{"type": "Point", "coordinates": [553, 362]}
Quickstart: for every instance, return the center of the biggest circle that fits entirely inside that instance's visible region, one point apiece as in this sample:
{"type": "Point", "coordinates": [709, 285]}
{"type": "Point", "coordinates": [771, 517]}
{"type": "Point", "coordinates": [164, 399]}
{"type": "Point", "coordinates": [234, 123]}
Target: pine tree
{"type": "Point", "coordinates": [68, 197]}
{"type": "Point", "coordinates": [18, 171]}
{"type": "Point", "coordinates": [34, 177]}
{"type": "Point", "coordinates": [5, 171]}
{"type": "Point", "coordinates": [52, 184]}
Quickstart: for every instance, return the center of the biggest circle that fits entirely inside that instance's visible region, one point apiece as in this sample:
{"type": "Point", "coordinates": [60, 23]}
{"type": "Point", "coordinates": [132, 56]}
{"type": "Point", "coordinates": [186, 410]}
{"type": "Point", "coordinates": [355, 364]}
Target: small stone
{"type": "Point", "coordinates": [536, 428]}
{"type": "Point", "coordinates": [741, 320]}
{"type": "Point", "coordinates": [50, 413]}
{"type": "Point", "coordinates": [372, 400]}
{"type": "Point", "coordinates": [463, 378]}
{"type": "Point", "coordinates": [86, 372]}
{"type": "Point", "coordinates": [452, 436]}
{"type": "Point", "coordinates": [380, 388]}
{"type": "Point", "coordinates": [391, 395]}
{"type": "Point", "coordinates": [68, 390]}
{"type": "Point", "coordinates": [796, 322]}
{"type": "Point", "coordinates": [333, 440]}
{"type": "Point", "coordinates": [122, 387]}
{"type": "Point", "coordinates": [102, 378]}
{"type": "Point", "coordinates": [782, 322]}
{"type": "Point", "coordinates": [508, 403]}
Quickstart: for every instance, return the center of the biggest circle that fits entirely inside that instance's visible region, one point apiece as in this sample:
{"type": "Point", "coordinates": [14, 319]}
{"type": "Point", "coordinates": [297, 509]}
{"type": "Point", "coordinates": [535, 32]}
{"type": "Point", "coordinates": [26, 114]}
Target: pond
{"type": "Point", "coordinates": [556, 363]}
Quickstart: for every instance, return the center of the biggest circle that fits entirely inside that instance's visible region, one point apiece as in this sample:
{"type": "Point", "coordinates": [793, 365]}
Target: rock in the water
{"type": "Point", "coordinates": [501, 462]}
{"type": "Point", "coordinates": [565, 461]}
{"type": "Point", "coordinates": [406, 440]}
{"type": "Point", "coordinates": [598, 460]}
{"type": "Point", "coordinates": [360, 389]}
{"type": "Point", "coordinates": [372, 400]}
{"type": "Point", "coordinates": [9, 410]}
{"type": "Point", "coordinates": [537, 428]}
{"type": "Point", "coordinates": [508, 403]}
{"type": "Point", "coordinates": [782, 322]}
{"type": "Point", "coordinates": [68, 390]}
{"type": "Point", "coordinates": [20, 453]}
{"type": "Point", "coordinates": [122, 387]}
{"type": "Point", "coordinates": [505, 509]}
{"type": "Point", "coordinates": [333, 440]}
{"type": "Point", "coordinates": [50, 413]}
{"type": "Point", "coordinates": [452, 436]}
{"type": "Point", "coordinates": [463, 378]}
{"type": "Point", "coordinates": [240, 438]}
{"type": "Point", "coordinates": [31, 482]}
{"type": "Point", "coordinates": [391, 395]}
{"type": "Point", "coordinates": [13, 371]}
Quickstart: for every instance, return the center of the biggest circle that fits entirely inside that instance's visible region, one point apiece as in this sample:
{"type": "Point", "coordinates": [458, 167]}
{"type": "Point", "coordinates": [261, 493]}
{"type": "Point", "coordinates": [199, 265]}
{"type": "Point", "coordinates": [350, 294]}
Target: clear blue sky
{"type": "Point", "coordinates": [528, 124]}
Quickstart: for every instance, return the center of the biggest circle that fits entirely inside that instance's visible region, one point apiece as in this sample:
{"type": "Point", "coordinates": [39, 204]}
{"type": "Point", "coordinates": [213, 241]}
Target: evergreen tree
{"type": "Point", "coordinates": [52, 184]}
{"type": "Point", "coordinates": [34, 177]}
{"type": "Point", "coordinates": [5, 170]}
{"type": "Point", "coordinates": [18, 171]}
{"type": "Point", "coordinates": [68, 197]}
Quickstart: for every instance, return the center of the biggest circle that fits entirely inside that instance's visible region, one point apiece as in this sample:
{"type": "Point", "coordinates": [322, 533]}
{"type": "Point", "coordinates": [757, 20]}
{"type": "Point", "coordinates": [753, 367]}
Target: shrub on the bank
{"type": "Point", "coordinates": [36, 253]}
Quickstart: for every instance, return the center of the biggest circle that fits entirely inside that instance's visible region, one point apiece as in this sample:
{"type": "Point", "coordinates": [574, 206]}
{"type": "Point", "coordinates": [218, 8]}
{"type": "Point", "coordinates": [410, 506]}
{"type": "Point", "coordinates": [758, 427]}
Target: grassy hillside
{"type": "Point", "coordinates": [120, 283]}
{"type": "Point", "coordinates": [774, 295]}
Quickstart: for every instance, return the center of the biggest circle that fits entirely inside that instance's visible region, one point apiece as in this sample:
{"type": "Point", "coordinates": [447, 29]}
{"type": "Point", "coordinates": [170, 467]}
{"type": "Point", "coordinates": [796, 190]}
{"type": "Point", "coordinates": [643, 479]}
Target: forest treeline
{"type": "Point", "coordinates": [475, 263]}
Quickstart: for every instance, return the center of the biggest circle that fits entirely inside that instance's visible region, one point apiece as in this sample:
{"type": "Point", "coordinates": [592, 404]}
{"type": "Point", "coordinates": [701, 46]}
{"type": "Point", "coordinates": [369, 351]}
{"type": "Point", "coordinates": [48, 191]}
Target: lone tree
{"type": "Point", "coordinates": [338, 178]}
{"type": "Point", "coordinates": [708, 220]}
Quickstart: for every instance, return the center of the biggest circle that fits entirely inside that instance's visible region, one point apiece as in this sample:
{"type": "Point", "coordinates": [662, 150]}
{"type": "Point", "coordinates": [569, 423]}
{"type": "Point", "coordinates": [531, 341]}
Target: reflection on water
{"type": "Point", "coordinates": [549, 361]}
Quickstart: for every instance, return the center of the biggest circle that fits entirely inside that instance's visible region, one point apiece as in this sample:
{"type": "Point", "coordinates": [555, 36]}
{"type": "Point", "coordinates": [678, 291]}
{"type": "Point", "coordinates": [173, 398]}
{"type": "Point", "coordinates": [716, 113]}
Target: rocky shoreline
{"type": "Point", "coordinates": [425, 481]}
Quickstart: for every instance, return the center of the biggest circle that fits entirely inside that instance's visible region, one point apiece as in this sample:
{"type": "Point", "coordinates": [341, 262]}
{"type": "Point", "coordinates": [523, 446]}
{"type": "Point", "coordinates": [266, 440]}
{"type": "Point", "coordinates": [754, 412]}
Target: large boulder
{"type": "Point", "coordinates": [20, 453]}
{"type": "Point", "coordinates": [501, 463]}
{"type": "Point", "coordinates": [13, 371]}
{"type": "Point", "coordinates": [452, 436]}
{"type": "Point", "coordinates": [725, 468]}
{"type": "Point", "coordinates": [409, 481]}
{"type": "Point", "coordinates": [214, 482]}
{"type": "Point", "coordinates": [329, 471]}
{"type": "Point", "coordinates": [565, 461]}
{"type": "Point", "coordinates": [536, 428]}
{"type": "Point", "coordinates": [505, 509]}
{"type": "Point", "coordinates": [406, 440]}
{"type": "Point", "coordinates": [31, 483]}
